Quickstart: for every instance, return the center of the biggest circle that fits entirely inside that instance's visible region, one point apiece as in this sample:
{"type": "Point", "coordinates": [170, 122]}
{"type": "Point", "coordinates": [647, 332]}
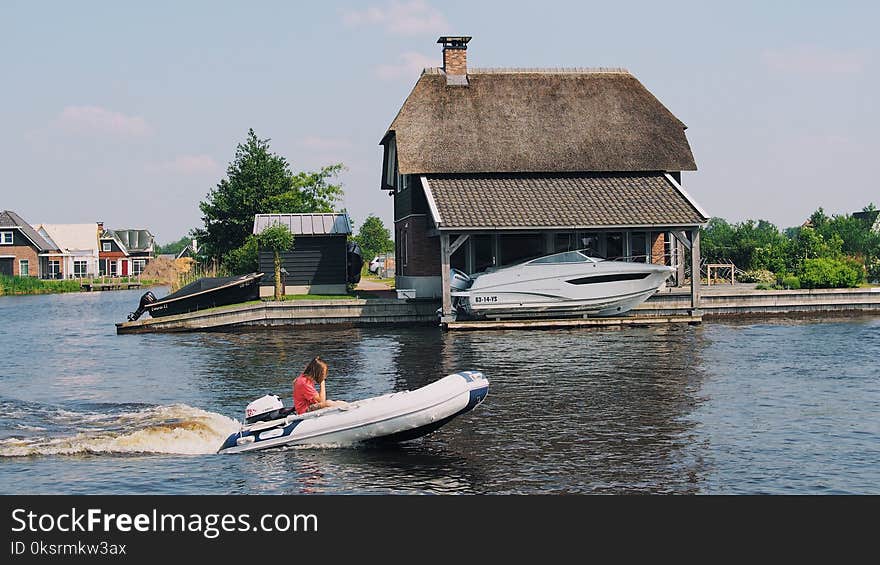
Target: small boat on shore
{"type": "Point", "coordinates": [570, 282]}
{"type": "Point", "coordinates": [207, 292]}
{"type": "Point", "coordinates": [392, 418]}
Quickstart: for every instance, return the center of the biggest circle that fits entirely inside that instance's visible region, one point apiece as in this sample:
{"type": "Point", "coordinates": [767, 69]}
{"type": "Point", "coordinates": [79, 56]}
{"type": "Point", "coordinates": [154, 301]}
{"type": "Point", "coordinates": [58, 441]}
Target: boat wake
{"type": "Point", "coordinates": [172, 429]}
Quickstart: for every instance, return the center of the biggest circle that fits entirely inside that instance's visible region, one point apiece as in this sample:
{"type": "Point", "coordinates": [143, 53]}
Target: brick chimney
{"type": "Point", "coordinates": [455, 59]}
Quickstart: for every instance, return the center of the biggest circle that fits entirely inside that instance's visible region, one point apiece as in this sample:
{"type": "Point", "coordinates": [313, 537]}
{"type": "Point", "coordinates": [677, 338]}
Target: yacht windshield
{"type": "Point", "coordinates": [567, 257]}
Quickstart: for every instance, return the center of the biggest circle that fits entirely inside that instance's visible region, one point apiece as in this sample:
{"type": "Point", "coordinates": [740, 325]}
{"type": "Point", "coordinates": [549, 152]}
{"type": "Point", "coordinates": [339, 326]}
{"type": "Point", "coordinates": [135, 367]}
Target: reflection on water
{"type": "Point", "coordinates": [781, 407]}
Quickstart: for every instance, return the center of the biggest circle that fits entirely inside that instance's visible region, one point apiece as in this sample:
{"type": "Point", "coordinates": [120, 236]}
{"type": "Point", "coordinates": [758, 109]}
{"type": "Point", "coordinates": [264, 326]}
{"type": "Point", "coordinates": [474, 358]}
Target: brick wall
{"type": "Point", "coordinates": [455, 61]}
{"type": "Point", "coordinates": [422, 252]}
{"type": "Point", "coordinates": [22, 252]}
{"type": "Point", "coordinates": [658, 249]}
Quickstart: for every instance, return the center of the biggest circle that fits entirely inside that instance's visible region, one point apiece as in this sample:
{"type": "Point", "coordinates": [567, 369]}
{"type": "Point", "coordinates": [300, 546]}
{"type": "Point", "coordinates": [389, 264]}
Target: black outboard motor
{"type": "Point", "coordinates": [147, 299]}
{"type": "Point", "coordinates": [355, 262]}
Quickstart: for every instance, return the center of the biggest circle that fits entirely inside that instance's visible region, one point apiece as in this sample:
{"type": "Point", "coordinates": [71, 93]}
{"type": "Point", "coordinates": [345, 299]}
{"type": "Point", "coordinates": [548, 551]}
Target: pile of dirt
{"type": "Point", "coordinates": [167, 271]}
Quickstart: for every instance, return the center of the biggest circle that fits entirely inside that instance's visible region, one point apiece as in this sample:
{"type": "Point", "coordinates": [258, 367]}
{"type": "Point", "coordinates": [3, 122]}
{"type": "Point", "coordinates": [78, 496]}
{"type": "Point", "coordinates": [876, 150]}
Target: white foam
{"type": "Point", "coordinates": [175, 429]}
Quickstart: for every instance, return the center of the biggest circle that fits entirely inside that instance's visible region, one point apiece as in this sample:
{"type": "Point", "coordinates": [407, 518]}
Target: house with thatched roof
{"type": "Point", "coordinates": [488, 167]}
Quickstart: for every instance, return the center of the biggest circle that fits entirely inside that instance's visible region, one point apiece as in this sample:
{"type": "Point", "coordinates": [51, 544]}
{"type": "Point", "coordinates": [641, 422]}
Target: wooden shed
{"type": "Point", "coordinates": [318, 262]}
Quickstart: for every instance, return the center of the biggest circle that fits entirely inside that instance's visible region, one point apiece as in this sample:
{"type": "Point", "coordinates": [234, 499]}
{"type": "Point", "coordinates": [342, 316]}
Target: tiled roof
{"type": "Point", "coordinates": [570, 201]}
{"type": "Point", "coordinates": [9, 219]}
{"type": "Point", "coordinates": [305, 224]}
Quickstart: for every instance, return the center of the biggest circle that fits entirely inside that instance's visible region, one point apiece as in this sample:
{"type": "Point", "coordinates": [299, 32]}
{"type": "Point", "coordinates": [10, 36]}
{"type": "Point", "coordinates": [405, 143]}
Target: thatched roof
{"type": "Point", "coordinates": [533, 120]}
{"type": "Point", "coordinates": [560, 201]}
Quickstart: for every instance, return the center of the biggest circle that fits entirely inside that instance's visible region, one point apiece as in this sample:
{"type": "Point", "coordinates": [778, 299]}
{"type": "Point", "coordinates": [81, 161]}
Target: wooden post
{"type": "Point", "coordinates": [695, 271]}
{"type": "Point", "coordinates": [679, 255]}
{"type": "Point", "coordinates": [444, 275]}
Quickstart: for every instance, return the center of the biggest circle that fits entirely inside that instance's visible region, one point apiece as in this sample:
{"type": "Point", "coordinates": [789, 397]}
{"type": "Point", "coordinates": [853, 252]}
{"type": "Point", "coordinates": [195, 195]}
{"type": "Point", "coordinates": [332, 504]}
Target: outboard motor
{"type": "Point", "coordinates": [355, 262]}
{"type": "Point", "coordinates": [147, 299]}
{"type": "Point", "coordinates": [265, 408]}
{"type": "Point", "coordinates": [459, 280]}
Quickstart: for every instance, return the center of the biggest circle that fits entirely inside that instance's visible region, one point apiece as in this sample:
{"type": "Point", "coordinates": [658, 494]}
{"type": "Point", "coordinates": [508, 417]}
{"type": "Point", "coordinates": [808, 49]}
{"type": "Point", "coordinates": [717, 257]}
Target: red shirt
{"type": "Point", "coordinates": [304, 394]}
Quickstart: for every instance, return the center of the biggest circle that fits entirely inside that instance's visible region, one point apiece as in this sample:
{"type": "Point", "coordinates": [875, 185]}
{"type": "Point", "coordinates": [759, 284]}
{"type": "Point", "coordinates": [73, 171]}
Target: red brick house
{"type": "Point", "coordinates": [23, 252]}
{"type": "Point", "coordinates": [490, 166]}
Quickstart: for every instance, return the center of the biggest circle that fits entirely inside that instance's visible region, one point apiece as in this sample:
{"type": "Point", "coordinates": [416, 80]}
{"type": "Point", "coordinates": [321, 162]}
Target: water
{"type": "Point", "coordinates": [722, 408]}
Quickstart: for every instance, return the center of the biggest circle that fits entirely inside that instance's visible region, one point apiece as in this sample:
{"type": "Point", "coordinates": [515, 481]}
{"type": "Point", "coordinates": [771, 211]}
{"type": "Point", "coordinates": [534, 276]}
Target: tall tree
{"type": "Point", "coordinates": [374, 238]}
{"type": "Point", "coordinates": [276, 238]}
{"type": "Point", "coordinates": [259, 182]}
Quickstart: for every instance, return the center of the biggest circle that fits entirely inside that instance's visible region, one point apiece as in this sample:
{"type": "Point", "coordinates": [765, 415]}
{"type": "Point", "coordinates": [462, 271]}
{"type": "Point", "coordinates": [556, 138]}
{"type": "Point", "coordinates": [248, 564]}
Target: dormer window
{"type": "Point", "coordinates": [391, 164]}
{"type": "Point", "coordinates": [105, 246]}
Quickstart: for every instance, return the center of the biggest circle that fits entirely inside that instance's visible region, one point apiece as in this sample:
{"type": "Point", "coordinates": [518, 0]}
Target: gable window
{"type": "Point", "coordinates": [402, 182]}
{"type": "Point", "coordinates": [24, 268]}
{"type": "Point", "coordinates": [105, 246]}
{"type": "Point", "coordinates": [391, 164]}
{"type": "Point", "coordinates": [5, 238]}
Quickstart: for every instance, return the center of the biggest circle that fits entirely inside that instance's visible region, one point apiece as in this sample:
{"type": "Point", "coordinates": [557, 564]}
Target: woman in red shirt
{"type": "Point", "coordinates": [305, 396]}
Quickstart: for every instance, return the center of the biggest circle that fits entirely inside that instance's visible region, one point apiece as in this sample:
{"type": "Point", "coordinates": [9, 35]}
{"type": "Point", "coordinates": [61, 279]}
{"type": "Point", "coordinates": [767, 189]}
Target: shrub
{"type": "Point", "coordinates": [831, 273]}
{"type": "Point", "coordinates": [791, 282]}
{"type": "Point", "coordinates": [757, 276]}
{"type": "Point", "coordinates": [872, 267]}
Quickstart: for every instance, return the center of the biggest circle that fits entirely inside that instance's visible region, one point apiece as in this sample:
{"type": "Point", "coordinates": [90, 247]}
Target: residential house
{"type": "Point", "coordinates": [318, 262]}
{"type": "Point", "coordinates": [488, 167]}
{"type": "Point", "coordinates": [76, 255]}
{"type": "Point", "coordinates": [870, 217]}
{"type": "Point", "coordinates": [23, 252]}
{"type": "Point", "coordinates": [124, 252]}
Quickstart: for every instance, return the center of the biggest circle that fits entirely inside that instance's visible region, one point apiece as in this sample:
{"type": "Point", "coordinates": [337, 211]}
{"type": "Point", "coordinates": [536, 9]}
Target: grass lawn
{"type": "Point", "coordinates": [33, 285]}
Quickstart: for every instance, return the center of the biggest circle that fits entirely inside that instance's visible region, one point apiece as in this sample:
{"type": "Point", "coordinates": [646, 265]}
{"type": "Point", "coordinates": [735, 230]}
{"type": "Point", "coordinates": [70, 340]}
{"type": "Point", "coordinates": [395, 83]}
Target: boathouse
{"type": "Point", "coordinates": [318, 262]}
{"type": "Point", "coordinates": [23, 252]}
{"type": "Point", "coordinates": [488, 167]}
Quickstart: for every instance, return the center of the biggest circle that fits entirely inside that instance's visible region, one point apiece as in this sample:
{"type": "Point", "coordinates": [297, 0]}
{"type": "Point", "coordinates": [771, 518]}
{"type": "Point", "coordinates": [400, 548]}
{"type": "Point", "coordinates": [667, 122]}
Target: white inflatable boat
{"type": "Point", "coordinates": [395, 417]}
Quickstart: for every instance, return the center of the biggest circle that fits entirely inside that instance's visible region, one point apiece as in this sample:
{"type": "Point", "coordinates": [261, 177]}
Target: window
{"type": "Point", "coordinates": [391, 164]}
{"type": "Point", "coordinates": [514, 248]}
{"type": "Point", "coordinates": [105, 246]}
{"type": "Point", "coordinates": [24, 268]}
{"type": "Point", "coordinates": [639, 251]}
{"type": "Point", "coordinates": [80, 269]}
{"type": "Point", "coordinates": [402, 182]}
{"type": "Point", "coordinates": [614, 245]}
{"type": "Point", "coordinates": [5, 238]}
{"type": "Point", "coordinates": [137, 266]}
{"type": "Point", "coordinates": [403, 253]}
{"type": "Point", "coordinates": [54, 269]}
{"type": "Point", "coordinates": [567, 257]}
{"type": "Point", "coordinates": [111, 268]}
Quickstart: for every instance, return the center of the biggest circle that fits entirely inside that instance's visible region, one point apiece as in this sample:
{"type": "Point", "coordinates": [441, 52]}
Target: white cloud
{"type": "Point", "coordinates": [400, 18]}
{"type": "Point", "coordinates": [95, 119]}
{"type": "Point", "coordinates": [409, 65]}
{"type": "Point", "coordinates": [814, 60]}
{"type": "Point", "coordinates": [187, 165]}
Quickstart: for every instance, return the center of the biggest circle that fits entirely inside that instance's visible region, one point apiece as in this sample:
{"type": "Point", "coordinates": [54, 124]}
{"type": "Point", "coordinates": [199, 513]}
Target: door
{"type": "Point", "coordinates": [6, 266]}
{"type": "Point", "coordinates": [125, 268]}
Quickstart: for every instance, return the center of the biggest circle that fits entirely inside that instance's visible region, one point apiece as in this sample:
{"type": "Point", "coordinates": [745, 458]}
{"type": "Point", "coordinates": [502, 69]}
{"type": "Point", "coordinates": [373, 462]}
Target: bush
{"type": "Point", "coordinates": [792, 283]}
{"type": "Point", "coordinates": [831, 273]}
{"type": "Point", "coordinates": [757, 276]}
{"type": "Point", "coordinates": [872, 267]}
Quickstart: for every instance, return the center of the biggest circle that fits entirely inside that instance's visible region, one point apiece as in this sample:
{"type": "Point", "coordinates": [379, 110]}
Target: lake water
{"type": "Point", "coordinates": [789, 407]}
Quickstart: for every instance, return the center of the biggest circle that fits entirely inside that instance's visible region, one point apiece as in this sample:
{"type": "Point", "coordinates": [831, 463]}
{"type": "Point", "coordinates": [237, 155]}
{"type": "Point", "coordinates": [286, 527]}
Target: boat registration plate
{"type": "Point", "coordinates": [485, 299]}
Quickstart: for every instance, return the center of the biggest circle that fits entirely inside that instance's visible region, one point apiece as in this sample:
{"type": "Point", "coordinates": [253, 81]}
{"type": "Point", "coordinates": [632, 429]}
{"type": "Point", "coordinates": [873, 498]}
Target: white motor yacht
{"type": "Point", "coordinates": [570, 282]}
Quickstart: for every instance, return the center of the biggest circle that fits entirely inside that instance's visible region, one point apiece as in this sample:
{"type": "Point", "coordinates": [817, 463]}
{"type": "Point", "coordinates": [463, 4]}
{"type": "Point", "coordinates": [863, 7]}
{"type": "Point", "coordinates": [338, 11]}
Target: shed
{"type": "Point", "coordinates": [318, 262]}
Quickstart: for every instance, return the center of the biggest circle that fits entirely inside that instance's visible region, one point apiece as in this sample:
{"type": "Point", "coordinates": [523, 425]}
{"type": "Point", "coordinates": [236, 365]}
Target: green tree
{"type": "Point", "coordinates": [259, 182]}
{"type": "Point", "coordinates": [276, 238]}
{"type": "Point", "coordinates": [244, 259]}
{"type": "Point", "coordinates": [374, 238]}
{"type": "Point", "coordinates": [174, 247]}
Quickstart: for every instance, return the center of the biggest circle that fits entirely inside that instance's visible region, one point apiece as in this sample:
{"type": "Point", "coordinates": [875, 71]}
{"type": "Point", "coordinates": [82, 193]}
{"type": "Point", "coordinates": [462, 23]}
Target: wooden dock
{"type": "Point", "coordinates": [538, 323]}
{"type": "Point", "coordinates": [90, 287]}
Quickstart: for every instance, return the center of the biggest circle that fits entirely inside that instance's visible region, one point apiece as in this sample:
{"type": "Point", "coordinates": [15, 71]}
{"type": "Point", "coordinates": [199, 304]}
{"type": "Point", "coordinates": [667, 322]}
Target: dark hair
{"type": "Point", "coordinates": [316, 369]}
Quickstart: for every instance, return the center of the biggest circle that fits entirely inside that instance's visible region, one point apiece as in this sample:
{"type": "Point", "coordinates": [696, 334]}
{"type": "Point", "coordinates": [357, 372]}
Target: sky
{"type": "Point", "coordinates": [130, 112]}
